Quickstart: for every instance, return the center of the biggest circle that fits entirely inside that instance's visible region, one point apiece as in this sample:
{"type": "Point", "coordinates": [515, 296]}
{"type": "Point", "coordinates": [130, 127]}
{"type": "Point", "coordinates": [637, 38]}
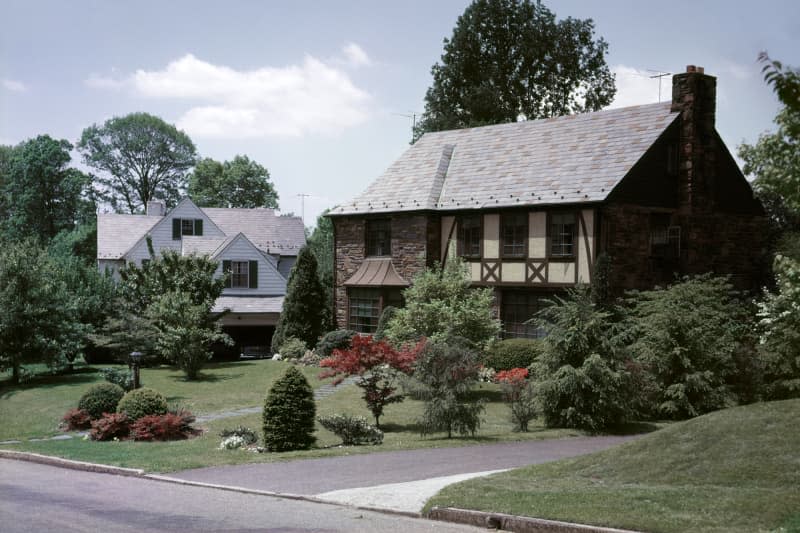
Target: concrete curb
{"type": "Point", "coordinates": [519, 524]}
{"type": "Point", "coordinates": [67, 463]}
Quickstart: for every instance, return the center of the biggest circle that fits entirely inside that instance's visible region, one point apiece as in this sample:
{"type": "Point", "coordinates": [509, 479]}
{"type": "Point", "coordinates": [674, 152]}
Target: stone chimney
{"type": "Point", "coordinates": [156, 208]}
{"type": "Point", "coordinates": [694, 95]}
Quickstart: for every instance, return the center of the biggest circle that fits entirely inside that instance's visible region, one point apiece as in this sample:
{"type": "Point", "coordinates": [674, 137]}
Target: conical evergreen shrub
{"type": "Point", "coordinates": [304, 306]}
{"type": "Point", "coordinates": [289, 413]}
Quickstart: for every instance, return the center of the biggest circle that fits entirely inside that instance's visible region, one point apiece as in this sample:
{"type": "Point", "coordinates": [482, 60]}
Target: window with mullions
{"type": "Point", "coordinates": [365, 310]}
{"type": "Point", "coordinates": [186, 226]}
{"type": "Point", "coordinates": [514, 233]}
{"type": "Point", "coordinates": [379, 237]}
{"type": "Point", "coordinates": [562, 234]}
{"type": "Point", "coordinates": [517, 309]}
{"type": "Point", "coordinates": [469, 236]}
{"type": "Point", "coordinates": [240, 278]}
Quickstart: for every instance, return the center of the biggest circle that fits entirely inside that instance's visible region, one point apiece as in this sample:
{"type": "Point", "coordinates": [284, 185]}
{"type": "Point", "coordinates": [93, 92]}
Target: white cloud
{"type": "Point", "coordinates": [355, 55]}
{"type": "Point", "coordinates": [636, 87]}
{"type": "Point", "coordinates": [309, 98]}
{"type": "Point", "coordinates": [14, 86]}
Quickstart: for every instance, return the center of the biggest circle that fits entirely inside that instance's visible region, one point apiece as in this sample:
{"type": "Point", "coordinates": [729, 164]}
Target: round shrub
{"type": "Point", "coordinates": [142, 402]}
{"type": "Point", "coordinates": [101, 398]}
{"type": "Point", "coordinates": [339, 339]}
{"type": "Point", "coordinates": [289, 412]}
{"type": "Point", "coordinates": [353, 430]}
{"type": "Point", "coordinates": [513, 353]}
{"type": "Point", "coordinates": [292, 348]}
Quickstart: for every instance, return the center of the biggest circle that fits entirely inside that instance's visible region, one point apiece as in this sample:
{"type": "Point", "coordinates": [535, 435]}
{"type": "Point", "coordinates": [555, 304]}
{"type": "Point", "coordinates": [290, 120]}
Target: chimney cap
{"type": "Point", "coordinates": [693, 68]}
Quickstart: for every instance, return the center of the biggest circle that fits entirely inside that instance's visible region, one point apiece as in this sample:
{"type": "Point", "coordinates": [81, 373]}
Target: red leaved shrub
{"type": "Point", "coordinates": [76, 419]}
{"type": "Point", "coordinates": [171, 426]}
{"type": "Point", "coordinates": [110, 426]}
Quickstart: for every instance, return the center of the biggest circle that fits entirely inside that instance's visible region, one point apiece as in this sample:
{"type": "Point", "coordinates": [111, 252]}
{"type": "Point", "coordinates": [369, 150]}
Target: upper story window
{"type": "Point", "coordinates": [241, 274]}
{"type": "Point", "coordinates": [469, 236]}
{"type": "Point", "coordinates": [665, 240]}
{"type": "Point", "coordinates": [514, 234]}
{"type": "Point", "coordinates": [562, 234]}
{"type": "Point", "coordinates": [186, 226]}
{"type": "Point", "coordinates": [379, 237]}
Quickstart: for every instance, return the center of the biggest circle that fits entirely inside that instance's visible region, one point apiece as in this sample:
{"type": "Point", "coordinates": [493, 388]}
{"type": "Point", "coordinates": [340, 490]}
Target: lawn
{"type": "Point", "coordinates": [729, 471]}
{"type": "Point", "coordinates": [228, 386]}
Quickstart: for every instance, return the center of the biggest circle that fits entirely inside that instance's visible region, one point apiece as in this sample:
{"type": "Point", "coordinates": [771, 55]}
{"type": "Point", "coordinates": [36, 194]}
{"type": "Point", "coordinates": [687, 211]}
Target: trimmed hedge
{"type": "Point", "coordinates": [101, 398]}
{"type": "Point", "coordinates": [513, 353]}
{"type": "Point", "coordinates": [142, 402]}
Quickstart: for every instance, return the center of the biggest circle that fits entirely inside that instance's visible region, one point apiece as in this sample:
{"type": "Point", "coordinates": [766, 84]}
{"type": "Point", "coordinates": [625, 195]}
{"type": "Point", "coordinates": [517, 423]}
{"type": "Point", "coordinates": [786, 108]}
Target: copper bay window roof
{"type": "Point", "coordinates": [376, 272]}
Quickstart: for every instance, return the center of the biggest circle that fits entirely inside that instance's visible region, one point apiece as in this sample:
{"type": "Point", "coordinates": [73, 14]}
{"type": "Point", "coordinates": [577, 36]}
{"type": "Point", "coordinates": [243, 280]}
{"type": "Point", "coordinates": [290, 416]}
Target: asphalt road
{"type": "Point", "coordinates": [35, 498]}
{"type": "Point", "coordinates": [316, 476]}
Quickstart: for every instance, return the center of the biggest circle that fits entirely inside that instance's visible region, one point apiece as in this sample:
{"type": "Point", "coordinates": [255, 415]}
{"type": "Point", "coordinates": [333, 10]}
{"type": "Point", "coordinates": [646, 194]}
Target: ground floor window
{"type": "Point", "coordinates": [517, 308]}
{"type": "Point", "coordinates": [366, 304]}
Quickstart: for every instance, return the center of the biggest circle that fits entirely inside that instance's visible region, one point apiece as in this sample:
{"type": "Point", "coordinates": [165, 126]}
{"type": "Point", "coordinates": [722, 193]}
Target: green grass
{"type": "Point", "coordinates": [732, 470]}
{"type": "Point", "coordinates": [229, 386]}
{"type": "Point", "coordinates": [35, 408]}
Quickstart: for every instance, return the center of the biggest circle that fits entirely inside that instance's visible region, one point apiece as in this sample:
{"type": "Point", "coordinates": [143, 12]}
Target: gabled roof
{"type": "Point", "coordinates": [209, 246]}
{"type": "Point", "coordinates": [116, 234]}
{"type": "Point", "coordinates": [575, 158]}
{"type": "Point", "coordinates": [284, 235]}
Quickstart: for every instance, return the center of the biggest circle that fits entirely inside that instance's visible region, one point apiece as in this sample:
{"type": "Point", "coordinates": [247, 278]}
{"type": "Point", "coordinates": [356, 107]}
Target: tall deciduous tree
{"type": "Point", "coordinates": [511, 59]}
{"type": "Point", "coordinates": [141, 157]}
{"type": "Point", "coordinates": [238, 183]}
{"type": "Point", "coordinates": [41, 194]}
{"type": "Point", "coordinates": [302, 313]}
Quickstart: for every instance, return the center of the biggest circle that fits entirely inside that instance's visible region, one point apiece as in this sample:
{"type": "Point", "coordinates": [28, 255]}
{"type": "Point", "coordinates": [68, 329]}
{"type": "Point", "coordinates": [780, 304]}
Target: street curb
{"type": "Point", "coordinates": [68, 463]}
{"type": "Point", "coordinates": [518, 524]}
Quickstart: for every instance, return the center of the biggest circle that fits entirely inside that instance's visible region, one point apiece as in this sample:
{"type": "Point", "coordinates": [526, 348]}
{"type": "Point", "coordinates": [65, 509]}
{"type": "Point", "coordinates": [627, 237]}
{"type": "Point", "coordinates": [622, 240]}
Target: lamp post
{"type": "Point", "coordinates": [136, 358]}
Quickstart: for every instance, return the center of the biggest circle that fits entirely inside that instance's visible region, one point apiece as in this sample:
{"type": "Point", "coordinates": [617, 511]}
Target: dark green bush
{"type": "Point", "coordinates": [513, 353]}
{"type": "Point", "coordinates": [101, 398]}
{"type": "Point", "coordinates": [289, 412]}
{"type": "Point", "coordinates": [335, 340]}
{"type": "Point", "coordinates": [142, 402]}
{"type": "Point", "coordinates": [119, 376]}
{"type": "Point", "coordinates": [292, 348]}
{"type": "Point", "coordinates": [353, 430]}
{"type": "Point", "coordinates": [386, 317]}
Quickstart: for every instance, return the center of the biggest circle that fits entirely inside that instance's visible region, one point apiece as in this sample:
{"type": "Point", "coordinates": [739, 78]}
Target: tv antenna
{"type": "Point", "coordinates": [659, 74]}
{"type": "Point", "coordinates": [413, 116]}
{"type": "Point", "coordinates": [303, 207]}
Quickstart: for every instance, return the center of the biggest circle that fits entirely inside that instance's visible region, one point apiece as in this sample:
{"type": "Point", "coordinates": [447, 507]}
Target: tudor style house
{"type": "Point", "coordinates": [530, 205]}
{"type": "Point", "coordinates": [257, 247]}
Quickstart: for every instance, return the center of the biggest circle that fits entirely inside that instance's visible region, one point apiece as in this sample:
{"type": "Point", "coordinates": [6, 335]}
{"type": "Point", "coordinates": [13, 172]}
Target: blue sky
{"type": "Point", "coordinates": [315, 90]}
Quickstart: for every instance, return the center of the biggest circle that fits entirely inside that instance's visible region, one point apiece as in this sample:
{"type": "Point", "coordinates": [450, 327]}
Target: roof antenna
{"type": "Point", "coordinates": [659, 74]}
{"type": "Point", "coordinates": [413, 116]}
{"type": "Point", "coordinates": [303, 207]}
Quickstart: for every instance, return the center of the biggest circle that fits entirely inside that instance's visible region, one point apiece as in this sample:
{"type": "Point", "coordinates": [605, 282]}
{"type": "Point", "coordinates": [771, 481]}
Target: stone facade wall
{"type": "Point", "coordinates": [412, 235]}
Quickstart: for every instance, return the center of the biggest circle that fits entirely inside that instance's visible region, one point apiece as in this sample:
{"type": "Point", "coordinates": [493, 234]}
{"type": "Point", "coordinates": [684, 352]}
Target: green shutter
{"type": "Point", "coordinates": [253, 274]}
{"type": "Point", "coordinates": [198, 226]}
{"type": "Point", "coordinates": [226, 269]}
{"type": "Point", "coordinates": [176, 229]}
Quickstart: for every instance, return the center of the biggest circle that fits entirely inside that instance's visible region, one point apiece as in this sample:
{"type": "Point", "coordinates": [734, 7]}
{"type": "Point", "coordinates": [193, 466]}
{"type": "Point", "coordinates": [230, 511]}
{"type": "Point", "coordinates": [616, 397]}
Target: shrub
{"type": "Point", "coordinates": [310, 358]}
{"type": "Point", "coordinates": [232, 442]}
{"type": "Point", "coordinates": [518, 394]}
{"type": "Point", "coordinates": [446, 371]}
{"type": "Point", "coordinates": [377, 364]}
{"type": "Point", "coordinates": [386, 316]}
{"type": "Point", "coordinates": [289, 414]}
{"type": "Point", "coordinates": [168, 426]}
{"type": "Point", "coordinates": [353, 430]}
{"type": "Point", "coordinates": [292, 348]}
{"type": "Point", "coordinates": [76, 419]}
{"type": "Point", "coordinates": [686, 336]}
{"type": "Point", "coordinates": [334, 340]}
{"type": "Point", "coordinates": [142, 402]}
{"type": "Point", "coordinates": [101, 398]}
{"type": "Point", "coordinates": [111, 426]}
{"type": "Point", "coordinates": [119, 376]}
{"type": "Point", "coordinates": [248, 436]}
{"type": "Point", "coordinates": [513, 353]}
{"type": "Point", "coordinates": [582, 380]}
{"type": "Point", "coordinates": [304, 305]}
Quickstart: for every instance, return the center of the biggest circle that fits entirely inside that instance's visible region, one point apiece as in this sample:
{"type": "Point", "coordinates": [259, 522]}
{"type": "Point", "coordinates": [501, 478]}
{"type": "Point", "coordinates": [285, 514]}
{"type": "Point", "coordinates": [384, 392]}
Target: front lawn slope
{"type": "Point", "coordinates": [731, 470]}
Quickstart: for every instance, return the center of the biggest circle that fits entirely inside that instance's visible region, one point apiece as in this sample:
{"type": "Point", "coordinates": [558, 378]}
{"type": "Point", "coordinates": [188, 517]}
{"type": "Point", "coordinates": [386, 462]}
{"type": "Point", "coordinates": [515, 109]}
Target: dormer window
{"type": "Point", "coordinates": [186, 226]}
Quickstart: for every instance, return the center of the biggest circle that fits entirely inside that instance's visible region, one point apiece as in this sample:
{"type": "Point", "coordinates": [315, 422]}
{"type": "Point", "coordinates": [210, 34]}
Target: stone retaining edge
{"type": "Point", "coordinates": [68, 463]}
{"type": "Point", "coordinates": [518, 524]}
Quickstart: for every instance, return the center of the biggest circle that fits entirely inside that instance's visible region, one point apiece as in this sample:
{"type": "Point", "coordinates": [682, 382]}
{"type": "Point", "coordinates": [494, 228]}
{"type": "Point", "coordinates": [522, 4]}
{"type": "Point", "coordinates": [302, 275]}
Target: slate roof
{"type": "Point", "coordinates": [575, 158]}
{"type": "Point", "coordinates": [203, 245]}
{"type": "Point", "coordinates": [117, 233]}
{"type": "Point", "coordinates": [248, 304]}
{"type": "Point", "coordinates": [284, 235]}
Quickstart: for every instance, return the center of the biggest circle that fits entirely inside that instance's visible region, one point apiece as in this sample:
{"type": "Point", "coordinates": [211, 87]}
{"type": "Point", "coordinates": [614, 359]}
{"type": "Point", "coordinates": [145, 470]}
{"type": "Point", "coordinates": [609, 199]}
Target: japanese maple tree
{"type": "Point", "coordinates": [376, 363]}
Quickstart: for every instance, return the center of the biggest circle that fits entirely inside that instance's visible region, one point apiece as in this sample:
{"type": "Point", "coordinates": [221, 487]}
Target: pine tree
{"type": "Point", "coordinates": [303, 307]}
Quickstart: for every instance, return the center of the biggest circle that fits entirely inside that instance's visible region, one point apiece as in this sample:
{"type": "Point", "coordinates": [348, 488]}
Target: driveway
{"type": "Point", "coordinates": [398, 480]}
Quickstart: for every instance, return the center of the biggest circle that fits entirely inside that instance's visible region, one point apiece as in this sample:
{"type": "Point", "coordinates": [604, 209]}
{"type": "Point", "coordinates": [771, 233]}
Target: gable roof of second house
{"type": "Point", "coordinates": [575, 158]}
